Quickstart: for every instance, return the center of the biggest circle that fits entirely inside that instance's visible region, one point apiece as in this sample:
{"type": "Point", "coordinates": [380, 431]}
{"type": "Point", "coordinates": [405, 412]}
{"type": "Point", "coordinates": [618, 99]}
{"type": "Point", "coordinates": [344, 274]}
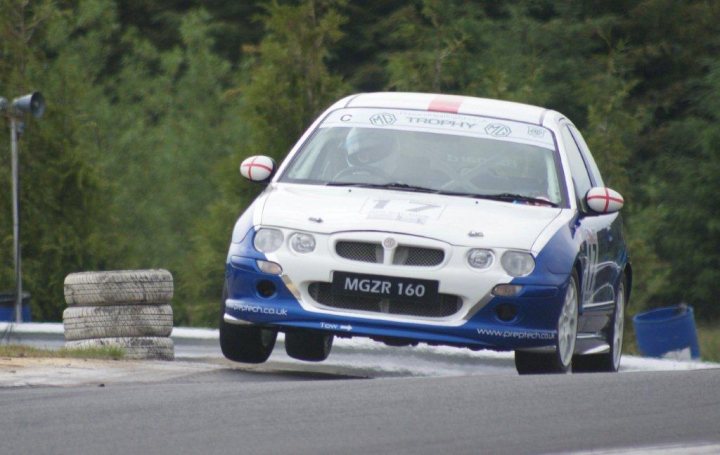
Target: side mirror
{"type": "Point", "coordinates": [604, 200]}
{"type": "Point", "coordinates": [258, 169]}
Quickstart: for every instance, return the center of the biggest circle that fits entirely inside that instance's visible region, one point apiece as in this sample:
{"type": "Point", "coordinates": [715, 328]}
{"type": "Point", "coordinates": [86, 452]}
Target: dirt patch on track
{"type": "Point", "coordinates": [25, 371]}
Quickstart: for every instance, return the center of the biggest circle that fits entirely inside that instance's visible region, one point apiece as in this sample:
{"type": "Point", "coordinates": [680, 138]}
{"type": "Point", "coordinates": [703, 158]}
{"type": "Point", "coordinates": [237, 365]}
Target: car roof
{"type": "Point", "coordinates": [447, 103]}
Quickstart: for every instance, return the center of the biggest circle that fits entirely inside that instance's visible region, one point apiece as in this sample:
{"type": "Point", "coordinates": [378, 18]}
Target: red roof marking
{"type": "Point", "coordinates": [446, 103]}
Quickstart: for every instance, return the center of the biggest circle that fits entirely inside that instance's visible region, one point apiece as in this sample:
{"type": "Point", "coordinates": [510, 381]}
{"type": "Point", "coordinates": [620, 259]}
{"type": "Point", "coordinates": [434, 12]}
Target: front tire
{"type": "Point", "coordinates": [561, 360]}
{"type": "Point", "coordinates": [608, 362]}
{"type": "Point", "coordinates": [247, 344]}
{"type": "Point", "coordinates": [308, 346]}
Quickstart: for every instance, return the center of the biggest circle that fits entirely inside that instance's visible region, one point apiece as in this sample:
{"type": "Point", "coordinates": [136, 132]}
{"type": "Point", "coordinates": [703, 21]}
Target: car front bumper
{"type": "Point", "coordinates": [478, 323]}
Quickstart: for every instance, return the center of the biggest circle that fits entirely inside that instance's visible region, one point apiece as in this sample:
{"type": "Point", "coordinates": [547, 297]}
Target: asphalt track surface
{"type": "Point", "coordinates": [469, 404]}
{"type": "Point", "coordinates": [234, 411]}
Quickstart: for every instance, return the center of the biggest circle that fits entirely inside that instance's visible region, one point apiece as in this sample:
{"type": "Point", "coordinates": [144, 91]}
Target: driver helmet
{"type": "Point", "coordinates": [369, 145]}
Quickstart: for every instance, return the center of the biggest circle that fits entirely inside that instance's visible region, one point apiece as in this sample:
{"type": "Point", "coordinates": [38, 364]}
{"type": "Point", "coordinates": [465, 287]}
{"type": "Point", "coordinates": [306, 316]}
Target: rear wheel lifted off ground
{"type": "Point", "coordinates": [609, 361]}
{"type": "Point", "coordinates": [248, 344]}
{"type": "Point", "coordinates": [308, 346]}
{"type": "Point", "coordinates": [559, 361]}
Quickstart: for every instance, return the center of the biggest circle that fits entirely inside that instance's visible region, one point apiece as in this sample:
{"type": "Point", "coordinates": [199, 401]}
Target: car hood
{"type": "Point", "coordinates": [451, 219]}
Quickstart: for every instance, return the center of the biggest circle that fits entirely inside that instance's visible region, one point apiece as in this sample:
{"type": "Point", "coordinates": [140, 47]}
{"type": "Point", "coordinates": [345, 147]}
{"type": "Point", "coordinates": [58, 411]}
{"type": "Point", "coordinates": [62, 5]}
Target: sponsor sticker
{"type": "Point", "coordinates": [536, 131]}
{"type": "Point", "coordinates": [498, 130]}
{"type": "Point", "coordinates": [415, 212]}
{"type": "Point", "coordinates": [383, 119]}
{"type": "Point", "coordinates": [257, 309]}
{"type": "Point", "coordinates": [519, 335]}
{"type": "Point", "coordinates": [441, 122]}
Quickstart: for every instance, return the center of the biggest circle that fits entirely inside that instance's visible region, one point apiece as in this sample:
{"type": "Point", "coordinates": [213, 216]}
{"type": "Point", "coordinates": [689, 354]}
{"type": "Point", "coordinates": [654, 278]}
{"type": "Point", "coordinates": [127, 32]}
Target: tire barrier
{"type": "Point", "coordinates": [121, 287]}
{"type": "Point", "coordinates": [129, 309]}
{"type": "Point", "coordinates": [117, 321]}
{"type": "Point", "coordinates": [135, 347]}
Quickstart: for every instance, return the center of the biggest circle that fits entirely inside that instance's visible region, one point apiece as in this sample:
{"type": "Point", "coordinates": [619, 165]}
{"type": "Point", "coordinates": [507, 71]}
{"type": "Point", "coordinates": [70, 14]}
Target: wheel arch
{"type": "Point", "coordinates": [628, 274]}
{"type": "Point", "coordinates": [578, 269]}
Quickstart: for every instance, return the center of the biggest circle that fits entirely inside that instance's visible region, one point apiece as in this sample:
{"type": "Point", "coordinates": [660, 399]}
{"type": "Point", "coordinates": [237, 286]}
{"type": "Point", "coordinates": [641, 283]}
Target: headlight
{"type": "Point", "coordinates": [517, 263]}
{"type": "Point", "coordinates": [302, 243]}
{"type": "Point", "coordinates": [268, 240]}
{"type": "Point", "coordinates": [480, 259]}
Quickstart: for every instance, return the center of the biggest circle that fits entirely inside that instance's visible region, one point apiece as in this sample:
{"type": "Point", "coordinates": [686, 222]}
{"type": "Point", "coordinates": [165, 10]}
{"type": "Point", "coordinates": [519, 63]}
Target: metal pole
{"type": "Point", "coordinates": [16, 218]}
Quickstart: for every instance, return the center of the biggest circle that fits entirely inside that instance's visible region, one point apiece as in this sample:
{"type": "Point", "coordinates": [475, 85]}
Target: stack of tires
{"type": "Point", "coordinates": [129, 309]}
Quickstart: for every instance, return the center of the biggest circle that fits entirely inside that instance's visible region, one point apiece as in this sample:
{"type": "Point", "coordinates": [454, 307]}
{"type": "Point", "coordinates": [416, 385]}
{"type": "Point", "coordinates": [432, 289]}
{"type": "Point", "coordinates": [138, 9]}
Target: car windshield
{"type": "Point", "coordinates": [431, 152]}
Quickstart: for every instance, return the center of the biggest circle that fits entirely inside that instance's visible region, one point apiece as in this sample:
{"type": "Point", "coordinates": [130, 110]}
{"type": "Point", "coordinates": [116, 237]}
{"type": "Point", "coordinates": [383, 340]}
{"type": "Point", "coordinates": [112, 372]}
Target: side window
{"type": "Point", "coordinates": [577, 165]}
{"type": "Point", "coordinates": [589, 160]}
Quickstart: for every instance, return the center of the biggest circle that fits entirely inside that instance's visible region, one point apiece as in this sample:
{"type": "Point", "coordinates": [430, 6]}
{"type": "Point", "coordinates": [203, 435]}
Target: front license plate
{"type": "Point", "coordinates": [422, 291]}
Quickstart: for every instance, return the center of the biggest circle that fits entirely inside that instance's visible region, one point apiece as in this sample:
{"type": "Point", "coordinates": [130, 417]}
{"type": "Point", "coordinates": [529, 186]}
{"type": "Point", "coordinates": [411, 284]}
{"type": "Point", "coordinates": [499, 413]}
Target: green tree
{"type": "Point", "coordinates": [152, 105]}
{"type": "Point", "coordinates": [58, 52]}
{"type": "Point", "coordinates": [682, 198]}
{"type": "Point", "coordinates": [434, 43]}
{"type": "Point", "coordinates": [170, 125]}
{"type": "Point", "coordinates": [287, 85]}
{"type": "Point", "coordinates": [289, 81]}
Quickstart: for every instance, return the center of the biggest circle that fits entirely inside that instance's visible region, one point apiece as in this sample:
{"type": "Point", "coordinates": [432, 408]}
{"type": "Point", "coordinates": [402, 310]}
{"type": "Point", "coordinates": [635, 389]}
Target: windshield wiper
{"type": "Point", "coordinates": [421, 189]}
{"type": "Point", "coordinates": [518, 197]}
{"type": "Point", "coordinates": [387, 186]}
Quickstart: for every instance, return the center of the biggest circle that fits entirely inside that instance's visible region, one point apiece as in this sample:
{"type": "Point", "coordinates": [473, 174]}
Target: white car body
{"type": "Point", "coordinates": [563, 236]}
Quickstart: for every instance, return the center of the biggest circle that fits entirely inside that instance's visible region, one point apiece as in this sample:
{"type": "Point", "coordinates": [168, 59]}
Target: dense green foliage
{"type": "Point", "coordinates": [152, 105]}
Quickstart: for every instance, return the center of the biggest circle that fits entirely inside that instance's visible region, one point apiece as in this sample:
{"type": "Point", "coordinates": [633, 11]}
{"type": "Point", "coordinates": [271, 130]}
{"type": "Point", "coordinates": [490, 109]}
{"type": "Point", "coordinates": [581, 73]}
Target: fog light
{"type": "Point", "coordinates": [302, 243]}
{"type": "Point", "coordinates": [479, 258]}
{"type": "Point", "coordinates": [266, 288]}
{"type": "Point", "coordinates": [506, 290]}
{"type": "Point", "coordinates": [506, 312]}
{"type": "Point", "coordinates": [272, 268]}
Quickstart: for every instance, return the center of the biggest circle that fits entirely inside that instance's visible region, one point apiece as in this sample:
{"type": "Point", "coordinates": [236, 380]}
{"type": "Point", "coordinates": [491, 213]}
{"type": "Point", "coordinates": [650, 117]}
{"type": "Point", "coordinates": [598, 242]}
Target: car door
{"type": "Point", "coordinates": [597, 235]}
{"type": "Point", "coordinates": [611, 244]}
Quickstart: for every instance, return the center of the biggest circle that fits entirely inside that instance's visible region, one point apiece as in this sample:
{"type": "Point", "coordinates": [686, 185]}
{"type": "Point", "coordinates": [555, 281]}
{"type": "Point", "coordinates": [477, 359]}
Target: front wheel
{"type": "Point", "coordinates": [248, 344]}
{"type": "Point", "coordinates": [308, 346]}
{"type": "Point", "coordinates": [559, 361]}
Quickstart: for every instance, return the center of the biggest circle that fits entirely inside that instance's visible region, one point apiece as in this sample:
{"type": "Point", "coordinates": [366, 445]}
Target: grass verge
{"type": "Point", "coordinates": [709, 341]}
{"type": "Point", "coordinates": [101, 353]}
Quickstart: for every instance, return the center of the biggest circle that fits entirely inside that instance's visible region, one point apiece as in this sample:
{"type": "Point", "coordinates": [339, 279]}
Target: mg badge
{"type": "Point", "coordinates": [383, 119]}
{"type": "Point", "coordinates": [389, 243]}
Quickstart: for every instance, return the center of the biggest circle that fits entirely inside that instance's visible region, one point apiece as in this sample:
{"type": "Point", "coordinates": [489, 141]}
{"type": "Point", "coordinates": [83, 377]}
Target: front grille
{"type": "Point", "coordinates": [447, 304]}
{"type": "Point", "coordinates": [417, 256]}
{"type": "Point", "coordinates": [413, 256]}
{"type": "Point", "coordinates": [360, 251]}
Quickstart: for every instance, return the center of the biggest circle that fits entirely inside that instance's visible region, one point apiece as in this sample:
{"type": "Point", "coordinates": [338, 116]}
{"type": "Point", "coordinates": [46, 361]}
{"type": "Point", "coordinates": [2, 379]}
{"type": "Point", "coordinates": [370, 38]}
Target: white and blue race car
{"type": "Point", "coordinates": [420, 218]}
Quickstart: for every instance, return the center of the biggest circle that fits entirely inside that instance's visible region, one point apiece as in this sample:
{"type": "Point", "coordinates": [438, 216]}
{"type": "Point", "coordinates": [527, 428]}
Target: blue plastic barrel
{"type": "Point", "coordinates": [665, 330]}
